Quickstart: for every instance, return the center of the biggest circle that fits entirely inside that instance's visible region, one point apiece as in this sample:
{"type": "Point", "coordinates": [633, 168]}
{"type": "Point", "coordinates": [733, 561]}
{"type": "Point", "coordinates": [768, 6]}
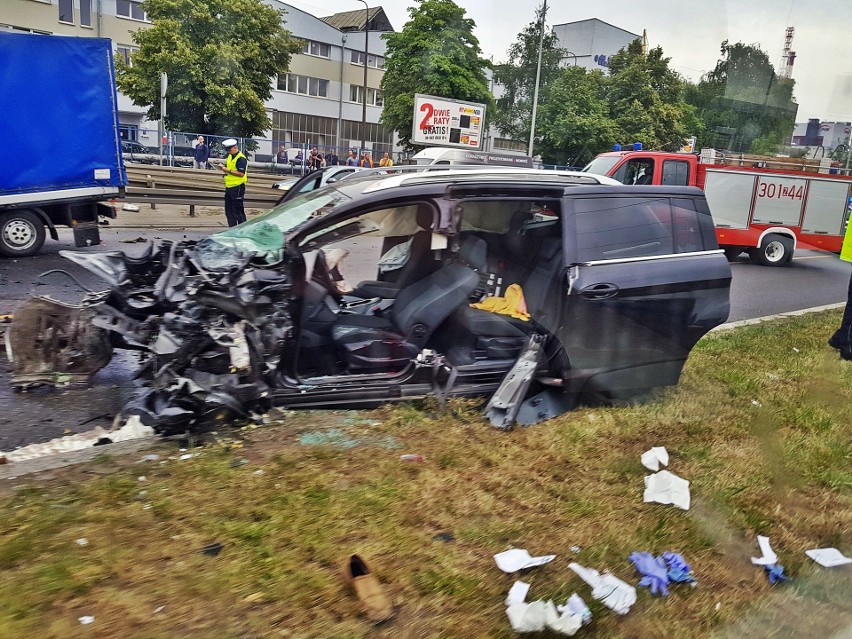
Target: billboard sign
{"type": "Point", "coordinates": [446, 122]}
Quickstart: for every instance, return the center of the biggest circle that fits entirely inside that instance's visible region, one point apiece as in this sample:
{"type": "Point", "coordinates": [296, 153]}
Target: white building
{"type": "Point", "coordinates": [591, 43]}
{"type": "Point", "coordinates": [318, 102]}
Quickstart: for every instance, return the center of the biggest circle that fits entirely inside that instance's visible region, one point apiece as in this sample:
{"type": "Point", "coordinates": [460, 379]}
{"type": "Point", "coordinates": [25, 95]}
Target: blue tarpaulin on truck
{"type": "Point", "coordinates": [60, 117]}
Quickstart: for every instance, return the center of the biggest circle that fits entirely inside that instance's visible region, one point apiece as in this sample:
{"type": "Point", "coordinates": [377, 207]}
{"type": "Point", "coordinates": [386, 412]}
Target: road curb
{"type": "Point", "coordinates": [759, 320]}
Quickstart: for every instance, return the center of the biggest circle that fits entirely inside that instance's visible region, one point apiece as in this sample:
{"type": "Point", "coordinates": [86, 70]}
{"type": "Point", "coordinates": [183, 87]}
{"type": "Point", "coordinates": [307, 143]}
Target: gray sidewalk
{"type": "Point", "coordinates": [168, 216]}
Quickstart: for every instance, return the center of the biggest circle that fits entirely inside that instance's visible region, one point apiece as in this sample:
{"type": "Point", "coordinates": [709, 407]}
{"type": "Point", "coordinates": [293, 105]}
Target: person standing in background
{"type": "Point", "coordinates": [235, 169]}
{"type": "Point", "coordinates": [842, 338]}
{"type": "Point", "coordinates": [202, 154]}
{"type": "Point", "coordinates": [352, 160]}
{"type": "Point", "coordinates": [386, 160]}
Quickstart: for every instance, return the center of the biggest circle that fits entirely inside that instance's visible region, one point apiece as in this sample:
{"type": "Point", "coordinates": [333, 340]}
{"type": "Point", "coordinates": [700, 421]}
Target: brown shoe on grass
{"type": "Point", "coordinates": [366, 585]}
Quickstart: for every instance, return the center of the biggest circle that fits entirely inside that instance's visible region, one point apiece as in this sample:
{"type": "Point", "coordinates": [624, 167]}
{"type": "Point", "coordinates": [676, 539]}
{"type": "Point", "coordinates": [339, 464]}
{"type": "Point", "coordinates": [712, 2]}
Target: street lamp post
{"type": "Point", "coordinates": [366, 54]}
{"type": "Point", "coordinates": [537, 78]}
{"type": "Point", "coordinates": [340, 101]}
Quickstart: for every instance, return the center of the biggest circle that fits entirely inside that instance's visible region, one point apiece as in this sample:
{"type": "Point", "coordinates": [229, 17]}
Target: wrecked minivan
{"type": "Point", "coordinates": [533, 288]}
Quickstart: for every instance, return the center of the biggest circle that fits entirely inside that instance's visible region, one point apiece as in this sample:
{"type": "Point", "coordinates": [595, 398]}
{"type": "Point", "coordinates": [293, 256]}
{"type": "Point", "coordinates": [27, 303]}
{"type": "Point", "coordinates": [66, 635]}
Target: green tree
{"type": "Point", "coordinates": [744, 104]}
{"type": "Point", "coordinates": [573, 122]}
{"type": "Point", "coordinates": [516, 78]}
{"type": "Point", "coordinates": [646, 99]}
{"type": "Point", "coordinates": [220, 56]}
{"type": "Point", "coordinates": [436, 54]}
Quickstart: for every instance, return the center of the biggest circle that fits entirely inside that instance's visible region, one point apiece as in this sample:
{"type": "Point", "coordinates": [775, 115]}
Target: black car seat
{"type": "Point", "coordinates": [389, 343]}
{"type": "Point", "coordinates": [418, 265]}
{"type": "Point", "coordinates": [474, 333]}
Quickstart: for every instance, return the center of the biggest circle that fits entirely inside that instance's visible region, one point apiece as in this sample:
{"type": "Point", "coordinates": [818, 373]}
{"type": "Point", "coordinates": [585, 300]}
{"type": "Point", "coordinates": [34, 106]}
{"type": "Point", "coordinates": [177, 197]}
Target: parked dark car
{"type": "Point", "coordinates": [136, 152]}
{"type": "Point", "coordinates": [596, 291]}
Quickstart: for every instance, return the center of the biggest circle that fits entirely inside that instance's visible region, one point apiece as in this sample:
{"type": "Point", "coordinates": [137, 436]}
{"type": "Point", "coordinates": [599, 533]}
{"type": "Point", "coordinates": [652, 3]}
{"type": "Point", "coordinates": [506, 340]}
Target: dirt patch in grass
{"type": "Point", "coordinates": [759, 425]}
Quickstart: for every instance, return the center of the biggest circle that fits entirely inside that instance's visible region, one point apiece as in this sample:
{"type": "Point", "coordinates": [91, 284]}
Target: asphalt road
{"type": "Point", "coordinates": [813, 279]}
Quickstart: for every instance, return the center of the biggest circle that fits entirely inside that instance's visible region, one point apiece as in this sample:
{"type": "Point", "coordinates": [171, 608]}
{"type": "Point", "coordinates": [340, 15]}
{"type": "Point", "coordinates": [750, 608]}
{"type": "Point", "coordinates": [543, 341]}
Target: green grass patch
{"type": "Point", "coordinates": [759, 424]}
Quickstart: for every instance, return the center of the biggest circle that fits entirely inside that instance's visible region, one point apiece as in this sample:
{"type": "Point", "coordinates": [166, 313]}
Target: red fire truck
{"type": "Point", "coordinates": [764, 211]}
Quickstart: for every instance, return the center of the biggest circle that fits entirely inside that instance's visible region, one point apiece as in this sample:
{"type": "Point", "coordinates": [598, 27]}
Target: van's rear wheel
{"type": "Point", "coordinates": [22, 233]}
{"type": "Point", "coordinates": [774, 250]}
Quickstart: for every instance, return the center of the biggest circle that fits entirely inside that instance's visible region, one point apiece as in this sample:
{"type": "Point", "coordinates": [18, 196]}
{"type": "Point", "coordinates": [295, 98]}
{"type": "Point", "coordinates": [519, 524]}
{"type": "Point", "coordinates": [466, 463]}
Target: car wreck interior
{"type": "Point", "coordinates": [505, 258]}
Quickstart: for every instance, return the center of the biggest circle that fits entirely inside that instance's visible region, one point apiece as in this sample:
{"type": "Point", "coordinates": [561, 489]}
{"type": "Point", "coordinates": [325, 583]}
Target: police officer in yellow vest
{"type": "Point", "coordinates": [235, 169]}
{"type": "Point", "coordinates": [842, 338]}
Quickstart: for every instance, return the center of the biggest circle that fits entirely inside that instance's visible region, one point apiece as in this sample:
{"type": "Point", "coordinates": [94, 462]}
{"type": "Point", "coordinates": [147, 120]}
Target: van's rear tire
{"type": "Point", "coordinates": [22, 233]}
{"type": "Point", "coordinates": [774, 250]}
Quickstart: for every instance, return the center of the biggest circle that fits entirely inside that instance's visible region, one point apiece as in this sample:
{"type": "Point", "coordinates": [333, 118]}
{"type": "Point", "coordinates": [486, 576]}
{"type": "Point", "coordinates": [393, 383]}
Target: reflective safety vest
{"type": "Point", "coordinates": [231, 165]}
{"type": "Point", "coordinates": [846, 250]}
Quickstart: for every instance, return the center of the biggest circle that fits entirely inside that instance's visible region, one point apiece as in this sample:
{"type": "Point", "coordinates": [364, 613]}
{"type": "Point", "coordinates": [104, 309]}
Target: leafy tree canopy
{"type": "Point", "coordinates": [646, 98]}
{"type": "Point", "coordinates": [220, 57]}
{"type": "Point", "coordinates": [743, 102]}
{"type": "Point", "coordinates": [516, 78]}
{"type": "Point", "coordinates": [574, 123]}
{"type": "Point", "coordinates": [436, 54]}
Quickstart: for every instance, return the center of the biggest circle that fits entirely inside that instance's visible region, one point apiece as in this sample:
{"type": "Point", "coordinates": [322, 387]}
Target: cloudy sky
{"type": "Point", "coordinates": [690, 32]}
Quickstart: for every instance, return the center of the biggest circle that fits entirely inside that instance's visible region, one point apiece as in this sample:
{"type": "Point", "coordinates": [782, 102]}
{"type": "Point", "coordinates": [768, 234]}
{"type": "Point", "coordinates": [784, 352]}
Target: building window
{"type": "Point", "coordinates": [317, 48]}
{"type": "Point", "coordinates": [66, 11]}
{"type": "Point", "coordinates": [124, 52]}
{"type": "Point", "coordinates": [86, 13]}
{"type": "Point", "coordinates": [374, 97]}
{"type": "Point", "coordinates": [375, 61]}
{"type": "Point", "coordinates": [130, 9]}
{"type": "Point", "coordinates": [303, 85]}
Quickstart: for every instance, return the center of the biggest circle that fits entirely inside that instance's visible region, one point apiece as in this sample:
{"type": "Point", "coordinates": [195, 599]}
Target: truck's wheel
{"type": "Point", "coordinates": [22, 233]}
{"type": "Point", "coordinates": [733, 252]}
{"type": "Point", "coordinates": [774, 250]}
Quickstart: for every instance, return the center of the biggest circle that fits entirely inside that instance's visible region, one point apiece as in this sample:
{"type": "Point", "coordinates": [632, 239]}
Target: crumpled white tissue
{"type": "Point", "coordinates": [538, 615]}
{"type": "Point", "coordinates": [653, 458]}
{"type": "Point", "coordinates": [576, 606]}
{"type": "Point", "coordinates": [518, 559]}
{"type": "Point", "coordinates": [667, 488]}
{"type": "Point", "coordinates": [608, 589]}
{"type": "Point", "coordinates": [769, 557]}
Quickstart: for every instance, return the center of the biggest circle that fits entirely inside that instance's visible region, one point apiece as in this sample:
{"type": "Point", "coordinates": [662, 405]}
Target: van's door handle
{"type": "Point", "coordinates": [600, 291]}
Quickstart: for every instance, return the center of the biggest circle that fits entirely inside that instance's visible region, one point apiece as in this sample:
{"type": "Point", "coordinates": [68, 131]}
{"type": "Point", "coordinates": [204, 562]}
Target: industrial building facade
{"type": "Point", "coordinates": [318, 102]}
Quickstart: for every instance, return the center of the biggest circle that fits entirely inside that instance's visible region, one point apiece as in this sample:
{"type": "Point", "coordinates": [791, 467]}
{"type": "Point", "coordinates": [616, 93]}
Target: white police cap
{"type": "Point", "coordinates": [229, 143]}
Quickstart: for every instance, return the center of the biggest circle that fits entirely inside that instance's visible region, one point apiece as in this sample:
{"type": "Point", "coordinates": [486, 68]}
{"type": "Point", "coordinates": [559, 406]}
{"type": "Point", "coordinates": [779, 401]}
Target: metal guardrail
{"type": "Point", "coordinates": [154, 184]}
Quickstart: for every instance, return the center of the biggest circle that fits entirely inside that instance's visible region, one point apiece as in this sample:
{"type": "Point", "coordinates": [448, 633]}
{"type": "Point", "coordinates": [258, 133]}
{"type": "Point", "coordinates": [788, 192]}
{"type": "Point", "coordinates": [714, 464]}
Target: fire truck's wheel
{"type": "Point", "coordinates": [774, 250]}
{"type": "Point", "coordinates": [733, 252]}
{"type": "Point", "coordinates": [22, 233]}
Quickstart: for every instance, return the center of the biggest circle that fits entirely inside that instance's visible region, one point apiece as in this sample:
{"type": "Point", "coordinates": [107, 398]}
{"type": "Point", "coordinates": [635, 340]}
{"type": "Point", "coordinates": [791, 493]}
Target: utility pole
{"type": "Point", "coordinates": [366, 55]}
{"type": "Point", "coordinates": [537, 77]}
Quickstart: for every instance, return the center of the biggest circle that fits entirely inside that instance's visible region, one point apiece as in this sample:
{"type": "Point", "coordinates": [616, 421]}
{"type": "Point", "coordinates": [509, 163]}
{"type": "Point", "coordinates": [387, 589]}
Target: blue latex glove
{"type": "Point", "coordinates": [775, 572]}
{"type": "Point", "coordinates": [679, 571]}
{"type": "Point", "coordinates": [653, 570]}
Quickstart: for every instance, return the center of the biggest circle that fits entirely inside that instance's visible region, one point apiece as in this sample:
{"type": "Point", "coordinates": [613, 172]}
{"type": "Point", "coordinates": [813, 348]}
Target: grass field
{"type": "Point", "coordinates": [760, 425]}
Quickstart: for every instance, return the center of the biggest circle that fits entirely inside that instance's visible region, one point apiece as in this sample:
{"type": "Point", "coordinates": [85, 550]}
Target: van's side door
{"type": "Point", "coordinates": [645, 281]}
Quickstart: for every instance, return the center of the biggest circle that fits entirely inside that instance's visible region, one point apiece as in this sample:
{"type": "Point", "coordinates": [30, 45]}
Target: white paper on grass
{"type": "Point", "coordinates": [608, 589]}
{"type": "Point", "coordinates": [828, 557]}
{"type": "Point", "coordinates": [538, 615]}
{"type": "Point", "coordinates": [667, 488]}
{"type": "Point", "coordinates": [576, 606]}
{"type": "Point", "coordinates": [132, 429]}
{"type": "Point", "coordinates": [517, 593]}
{"type": "Point", "coordinates": [653, 458]}
{"type": "Point", "coordinates": [519, 559]}
{"type": "Point", "coordinates": [769, 557]}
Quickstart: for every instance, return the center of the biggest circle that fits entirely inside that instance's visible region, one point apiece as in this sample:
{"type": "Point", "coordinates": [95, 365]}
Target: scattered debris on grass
{"type": "Point", "coordinates": [665, 487]}
{"type": "Point", "coordinates": [828, 557]}
{"type": "Point", "coordinates": [519, 559]}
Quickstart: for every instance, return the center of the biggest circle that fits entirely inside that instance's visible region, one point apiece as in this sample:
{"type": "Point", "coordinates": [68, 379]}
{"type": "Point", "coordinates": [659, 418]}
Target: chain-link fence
{"type": "Point", "coordinates": [264, 154]}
